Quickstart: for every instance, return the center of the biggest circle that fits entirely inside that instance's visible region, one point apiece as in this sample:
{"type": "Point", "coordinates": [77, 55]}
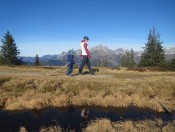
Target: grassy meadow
{"type": "Point", "coordinates": [24, 88]}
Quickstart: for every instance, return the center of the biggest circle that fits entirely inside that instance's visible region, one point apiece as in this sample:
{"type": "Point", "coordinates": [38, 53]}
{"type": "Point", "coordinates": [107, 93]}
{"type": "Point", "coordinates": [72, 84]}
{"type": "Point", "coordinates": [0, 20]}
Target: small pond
{"type": "Point", "coordinates": [72, 117]}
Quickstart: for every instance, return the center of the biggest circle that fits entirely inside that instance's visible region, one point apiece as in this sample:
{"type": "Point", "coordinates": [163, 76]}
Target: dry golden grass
{"type": "Point", "coordinates": [22, 129]}
{"type": "Point", "coordinates": [104, 125]}
{"type": "Point", "coordinates": [30, 88]}
{"type": "Point", "coordinates": [51, 129]}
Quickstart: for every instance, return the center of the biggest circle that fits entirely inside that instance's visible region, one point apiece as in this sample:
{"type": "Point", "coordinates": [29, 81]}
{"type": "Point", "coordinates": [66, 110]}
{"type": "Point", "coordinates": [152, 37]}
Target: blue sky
{"type": "Point", "coordinates": [52, 26]}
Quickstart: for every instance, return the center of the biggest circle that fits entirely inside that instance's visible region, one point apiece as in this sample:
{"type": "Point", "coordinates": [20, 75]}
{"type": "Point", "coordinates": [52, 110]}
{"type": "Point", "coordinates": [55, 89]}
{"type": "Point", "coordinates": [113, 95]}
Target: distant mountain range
{"type": "Point", "coordinates": [98, 54]}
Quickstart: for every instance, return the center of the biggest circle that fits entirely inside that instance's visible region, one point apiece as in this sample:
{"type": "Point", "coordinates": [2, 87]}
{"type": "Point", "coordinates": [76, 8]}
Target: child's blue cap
{"type": "Point", "coordinates": [71, 52]}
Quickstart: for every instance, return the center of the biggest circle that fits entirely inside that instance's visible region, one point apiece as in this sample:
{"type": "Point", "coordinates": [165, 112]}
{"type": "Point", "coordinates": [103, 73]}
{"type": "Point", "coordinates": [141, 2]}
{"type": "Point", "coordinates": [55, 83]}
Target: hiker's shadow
{"type": "Point", "coordinates": [94, 70]}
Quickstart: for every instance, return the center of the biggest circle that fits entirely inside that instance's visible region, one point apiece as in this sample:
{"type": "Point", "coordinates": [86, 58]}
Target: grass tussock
{"type": "Point", "coordinates": [51, 129]}
{"type": "Point", "coordinates": [23, 129]}
{"type": "Point", "coordinates": [4, 79]}
{"type": "Point", "coordinates": [104, 125]}
{"type": "Point", "coordinates": [100, 125]}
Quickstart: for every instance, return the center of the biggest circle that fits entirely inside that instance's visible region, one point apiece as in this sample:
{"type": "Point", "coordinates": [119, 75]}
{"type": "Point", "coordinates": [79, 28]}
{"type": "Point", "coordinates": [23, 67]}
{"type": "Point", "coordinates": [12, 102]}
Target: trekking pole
{"type": "Point", "coordinates": [58, 69]}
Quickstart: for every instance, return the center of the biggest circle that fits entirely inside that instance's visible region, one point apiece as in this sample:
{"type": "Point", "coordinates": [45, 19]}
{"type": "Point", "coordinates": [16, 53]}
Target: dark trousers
{"type": "Point", "coordinates": [85, 61]}
{"type": "Point", "coordinates": [69, 69]}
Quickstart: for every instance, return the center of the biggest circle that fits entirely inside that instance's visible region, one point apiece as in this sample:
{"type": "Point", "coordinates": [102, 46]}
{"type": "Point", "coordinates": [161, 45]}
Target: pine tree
{"type": "Point", "coordinates": [171, 63]}
{"type": "Point", "coordinates": [37, 61]}
{"type": "Point", "coordinates": [123, 60]}
{"type": "Point", "coordinates": [153, 54]}
{"type": "Point", "coordinates": [1, 60]}
{"type": "Point", "coordinates": [127, 59]}
{"type": "Point", "coordinates": [132, 62]}
{"type": "Point", "coordinates": [9, 51]}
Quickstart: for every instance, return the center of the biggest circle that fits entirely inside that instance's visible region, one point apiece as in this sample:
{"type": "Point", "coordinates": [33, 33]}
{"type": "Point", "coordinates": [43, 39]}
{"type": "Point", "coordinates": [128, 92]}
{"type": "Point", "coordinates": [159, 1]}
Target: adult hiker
{"type": "Point", "coordinates": [85, 56]}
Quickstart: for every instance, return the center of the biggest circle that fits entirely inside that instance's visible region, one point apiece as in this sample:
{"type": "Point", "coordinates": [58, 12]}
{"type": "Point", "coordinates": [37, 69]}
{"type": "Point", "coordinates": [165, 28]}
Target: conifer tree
{"type": "Point", "coordinates": [37, 61]}
{"type": "Point", "coordinates": [9, 52]}
{"type": "Point", "coordinates": [153, 54]}
{"type": "Point", "coordinates": [128, 59]}
{"type": "Point", "coordinates": [171, 63]}
{"type": "Point", "coordinates": [123, 60]}
{"type": "Point", "coordinates": [132, 62]}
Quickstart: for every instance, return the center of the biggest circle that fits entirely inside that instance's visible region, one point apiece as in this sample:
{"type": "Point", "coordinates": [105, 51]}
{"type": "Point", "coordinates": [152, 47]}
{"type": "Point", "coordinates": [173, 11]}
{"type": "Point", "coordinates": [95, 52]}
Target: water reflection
{"type": "Point", "coordinates": [85, 113]}
{"type": "Point", "coordinates": [73, 118]}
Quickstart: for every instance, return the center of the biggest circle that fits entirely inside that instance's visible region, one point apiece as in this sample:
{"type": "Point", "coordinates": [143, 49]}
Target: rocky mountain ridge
{"type": "Point", "coordinates": [98, 53]}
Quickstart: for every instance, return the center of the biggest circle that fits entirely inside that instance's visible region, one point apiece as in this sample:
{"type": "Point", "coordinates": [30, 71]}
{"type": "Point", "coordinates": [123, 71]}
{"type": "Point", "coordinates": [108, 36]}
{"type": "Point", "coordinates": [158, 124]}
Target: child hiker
{"type": "Point", "coordinates": [70, 62]}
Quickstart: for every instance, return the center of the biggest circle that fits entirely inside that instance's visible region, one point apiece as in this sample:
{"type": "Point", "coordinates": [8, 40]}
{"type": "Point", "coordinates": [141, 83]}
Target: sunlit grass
{"type": "Point", "coordinates": [30, 88]}
{"type": "Point", "coordinates": [104, 125]}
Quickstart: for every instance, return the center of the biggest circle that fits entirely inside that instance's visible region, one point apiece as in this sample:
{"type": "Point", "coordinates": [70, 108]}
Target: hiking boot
{"type": "Point", "coordinates": [80, 73]}
{"type": "Point", "coordinates": [92, 73]}
{"type": "Point", "coordinates": [71, 75]}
